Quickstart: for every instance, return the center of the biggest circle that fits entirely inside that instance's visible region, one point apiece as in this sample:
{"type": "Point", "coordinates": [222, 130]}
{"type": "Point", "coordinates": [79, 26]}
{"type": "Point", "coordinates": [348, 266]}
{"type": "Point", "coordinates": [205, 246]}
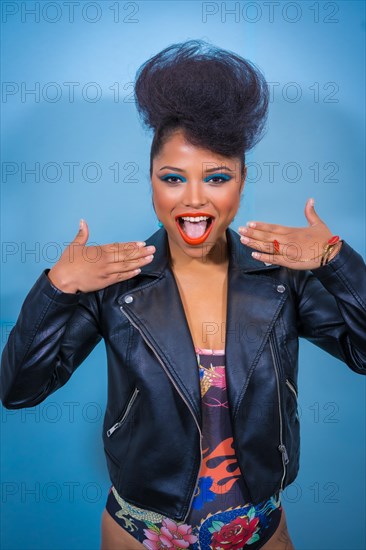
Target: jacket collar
{"type": "Point", "coordinates": [239, 254]}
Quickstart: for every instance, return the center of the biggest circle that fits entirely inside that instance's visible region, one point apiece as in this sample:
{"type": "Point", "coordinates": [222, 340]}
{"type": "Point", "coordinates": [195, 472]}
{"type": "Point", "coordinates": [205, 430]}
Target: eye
{"type": "Point", "coordinates": [169, 177]}
{"type": "Point", "coordinates": [222, 177]}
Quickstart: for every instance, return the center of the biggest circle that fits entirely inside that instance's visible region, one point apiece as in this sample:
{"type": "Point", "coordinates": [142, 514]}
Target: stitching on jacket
{"type": "Point", "coordinates": [343, 279]}
{"type": "Point", "coordinates": [284, 337]}
{"type": "Point", "coordinates": [256, 359]}
{"type": "Point", "coordinates": [89, 320]}
{"type": "Point", "coordinates": [128, 284]}
{"type": "Point", "coordinates": [37, 325]}
{"type": "Point", "coordinates": [176, 374]}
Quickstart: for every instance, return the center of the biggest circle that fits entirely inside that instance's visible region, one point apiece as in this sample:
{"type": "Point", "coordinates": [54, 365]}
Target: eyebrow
{"type": "Point", "coordinates": [208, 170]}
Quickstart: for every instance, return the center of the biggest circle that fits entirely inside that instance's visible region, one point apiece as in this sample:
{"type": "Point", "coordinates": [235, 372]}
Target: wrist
{"type": "Point", "coordinates": [60, 283]}
{"type": "Point", "coordinates": [335, 251]}
{"type": "Point", "coordinates": [330, 250]}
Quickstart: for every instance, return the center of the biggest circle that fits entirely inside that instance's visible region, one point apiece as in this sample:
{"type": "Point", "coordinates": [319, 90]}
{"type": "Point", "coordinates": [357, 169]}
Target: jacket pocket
{"type": "Point", "coordinates": [282, 420]}
{"type": "Point", "coordinates": [123, 417]}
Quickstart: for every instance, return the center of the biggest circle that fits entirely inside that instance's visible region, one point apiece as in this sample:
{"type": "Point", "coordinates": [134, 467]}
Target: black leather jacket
{"type": "Point", "coordinates": [152, 423]}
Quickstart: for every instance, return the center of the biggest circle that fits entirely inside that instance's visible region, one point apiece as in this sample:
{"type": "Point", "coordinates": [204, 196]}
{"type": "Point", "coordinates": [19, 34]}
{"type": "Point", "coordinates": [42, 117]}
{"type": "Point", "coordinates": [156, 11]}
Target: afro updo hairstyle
{"type": "Point", "coordinates": [217, 98]}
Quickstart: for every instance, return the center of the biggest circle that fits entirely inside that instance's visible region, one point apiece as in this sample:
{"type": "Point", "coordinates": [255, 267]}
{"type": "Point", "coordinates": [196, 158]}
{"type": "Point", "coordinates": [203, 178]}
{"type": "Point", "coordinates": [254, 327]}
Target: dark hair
{"type": "Point", "coordinates": [218, 99]}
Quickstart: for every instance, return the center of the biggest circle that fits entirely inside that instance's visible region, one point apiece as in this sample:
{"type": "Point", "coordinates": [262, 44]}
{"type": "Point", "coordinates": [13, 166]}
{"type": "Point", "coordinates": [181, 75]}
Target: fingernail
{"type": "Point", "coordinates": [81, 223]}
{"type": "Point", "coordinates": [251, 224]}
{"type": "Point", "coordinates": [312, 202]}
{"type": "Point", "coordinates": [140, 243]}
{"type": "Point", "coordinates": [255, 254]}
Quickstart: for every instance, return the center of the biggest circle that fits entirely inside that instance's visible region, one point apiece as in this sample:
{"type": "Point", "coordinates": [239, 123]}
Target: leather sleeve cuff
{"type": "Point", "coordinates": [46, 287]}
{"type": "Point", "coordinates": [345, 254]}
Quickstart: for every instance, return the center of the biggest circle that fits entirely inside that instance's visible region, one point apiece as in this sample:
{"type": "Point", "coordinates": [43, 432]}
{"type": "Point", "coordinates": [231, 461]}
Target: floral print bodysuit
{"type": "Point", "coordinates": [219, 518]}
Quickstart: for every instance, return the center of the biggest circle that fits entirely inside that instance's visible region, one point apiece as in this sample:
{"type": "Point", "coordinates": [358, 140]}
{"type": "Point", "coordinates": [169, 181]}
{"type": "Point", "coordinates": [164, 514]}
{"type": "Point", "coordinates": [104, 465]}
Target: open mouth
{"type": "Point", "coordinates": [195, 229]}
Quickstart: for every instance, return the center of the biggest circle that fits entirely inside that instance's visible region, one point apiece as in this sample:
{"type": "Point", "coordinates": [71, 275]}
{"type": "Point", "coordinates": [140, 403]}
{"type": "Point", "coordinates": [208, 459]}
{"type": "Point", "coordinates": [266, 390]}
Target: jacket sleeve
{"type": "Point", "coordinates": [54, 333]}
{"type": "Point", "coordinates": [332, 307]}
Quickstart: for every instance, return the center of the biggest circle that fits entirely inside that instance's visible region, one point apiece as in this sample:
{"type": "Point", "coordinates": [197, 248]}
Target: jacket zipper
{"type": "Point", "coordinates": [292, 388]}
{"type": "Point", "coordinates": [120, 422]}
{"type": "Point", "coordinates": [281, 446]}
{"type": "Point", "coordinates": [184, 399]}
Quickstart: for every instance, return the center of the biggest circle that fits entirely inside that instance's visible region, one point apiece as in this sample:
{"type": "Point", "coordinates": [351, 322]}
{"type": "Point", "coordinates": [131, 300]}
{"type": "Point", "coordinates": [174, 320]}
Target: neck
{"type": "Point", "coordinates": [209, 257]}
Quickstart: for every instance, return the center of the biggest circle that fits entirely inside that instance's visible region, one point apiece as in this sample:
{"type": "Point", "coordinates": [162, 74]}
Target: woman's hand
{"type": "Point", "coordinates": [299, 247]}
{"type": "Point", "coordinates": [89, 268]}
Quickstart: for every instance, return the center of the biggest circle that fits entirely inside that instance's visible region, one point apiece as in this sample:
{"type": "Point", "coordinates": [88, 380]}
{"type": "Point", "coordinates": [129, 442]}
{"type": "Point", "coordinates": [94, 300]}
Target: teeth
{"type": "Point", "coordinates": [195, 219]}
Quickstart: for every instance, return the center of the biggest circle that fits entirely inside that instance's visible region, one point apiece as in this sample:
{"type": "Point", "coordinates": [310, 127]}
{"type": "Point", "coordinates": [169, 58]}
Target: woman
{"type": "Point", "coordinates": [201, 432]}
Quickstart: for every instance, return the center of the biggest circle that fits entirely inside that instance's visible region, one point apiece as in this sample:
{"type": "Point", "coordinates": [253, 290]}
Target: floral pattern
{"type": "Point", "coordinates": [235, 534]}
{"type": "Point", "coordinates": [170, 535]}
{"type": "Point", "coordinates": [218, 520]}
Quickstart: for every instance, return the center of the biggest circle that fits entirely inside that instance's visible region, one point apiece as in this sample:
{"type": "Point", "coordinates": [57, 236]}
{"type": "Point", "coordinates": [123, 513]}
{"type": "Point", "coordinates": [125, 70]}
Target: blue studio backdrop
{"type": "Point", "coordinates": [73, 148]}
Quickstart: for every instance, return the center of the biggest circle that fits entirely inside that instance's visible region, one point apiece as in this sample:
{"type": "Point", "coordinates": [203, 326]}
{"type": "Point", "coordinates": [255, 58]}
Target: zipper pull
{"type": "Point", "coordinates": [112, 429]}
{"type": "Point", "coordinates": [283, 450]}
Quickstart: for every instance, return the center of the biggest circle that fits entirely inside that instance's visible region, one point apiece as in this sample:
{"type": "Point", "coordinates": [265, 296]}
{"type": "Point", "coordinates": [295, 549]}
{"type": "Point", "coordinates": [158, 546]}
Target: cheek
{"type": "Point", "coordinates": [164, 201]}
{"type": "Point", "coordinates": [229, 202]}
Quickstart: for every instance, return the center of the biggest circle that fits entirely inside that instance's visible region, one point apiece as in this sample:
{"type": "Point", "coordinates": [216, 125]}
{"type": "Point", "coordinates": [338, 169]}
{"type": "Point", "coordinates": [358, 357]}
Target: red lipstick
{"type": "Point", "coordinates": [199, 240]}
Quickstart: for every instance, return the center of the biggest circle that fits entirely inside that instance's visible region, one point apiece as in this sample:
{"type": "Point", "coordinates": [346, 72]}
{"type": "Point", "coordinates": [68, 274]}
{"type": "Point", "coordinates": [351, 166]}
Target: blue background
{"type": "Point", "coordinates": [314, 52]}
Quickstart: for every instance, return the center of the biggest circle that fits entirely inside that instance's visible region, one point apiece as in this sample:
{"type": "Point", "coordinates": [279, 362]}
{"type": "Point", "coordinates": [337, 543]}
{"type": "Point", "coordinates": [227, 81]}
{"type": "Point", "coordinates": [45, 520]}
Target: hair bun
{"type": "Point", "coordinates": [219, 98]}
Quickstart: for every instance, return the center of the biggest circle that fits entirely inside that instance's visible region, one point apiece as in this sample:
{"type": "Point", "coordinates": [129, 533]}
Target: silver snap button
{"type": "Point", "coordinates": [128, 299]}
{"type": "Point", "coordinates": [280, 288]}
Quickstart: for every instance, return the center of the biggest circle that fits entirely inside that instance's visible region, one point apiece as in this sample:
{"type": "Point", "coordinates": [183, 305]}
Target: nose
{"type": "Point", "coordinates": [194, 194]}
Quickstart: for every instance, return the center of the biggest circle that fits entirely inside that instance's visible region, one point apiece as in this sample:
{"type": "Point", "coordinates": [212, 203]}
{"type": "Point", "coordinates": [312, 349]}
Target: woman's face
{"type": "Point", "coordinates": [186, 181]}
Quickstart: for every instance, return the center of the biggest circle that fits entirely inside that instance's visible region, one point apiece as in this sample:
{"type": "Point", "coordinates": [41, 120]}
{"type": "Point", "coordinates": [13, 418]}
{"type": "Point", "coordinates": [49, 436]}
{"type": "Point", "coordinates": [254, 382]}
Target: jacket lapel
{"type": "Point", "coordinates": [252, 308]}
{"type": "Point", "coordinates": [158, 312]}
